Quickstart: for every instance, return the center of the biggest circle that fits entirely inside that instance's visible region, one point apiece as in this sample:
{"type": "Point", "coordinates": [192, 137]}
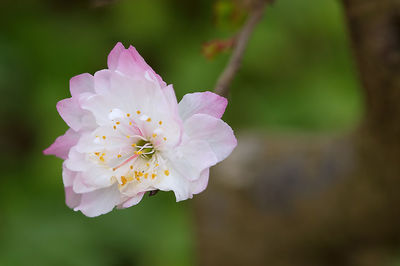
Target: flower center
{"type": "Point", "coordinates": [145, 149]}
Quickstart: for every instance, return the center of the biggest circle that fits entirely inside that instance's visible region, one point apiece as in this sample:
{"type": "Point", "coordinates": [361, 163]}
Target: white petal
{"type": "Point", "coordinates": [81, 84]}
{"type": "Point", "coordinates": [202, 103]}
{"type": "Point", "coordinates": [72, 199]}
{"type": "Point", "coordinates": [63, 144]}
{"type": "Point", "coordinates": [191, 158]}
{"type": "Point", "coordinates": [214, 131]}
{"type": "Point", "coordinates": [132, 201]}
{"type": "Point", "coordinates": [99, 201]}
{"type": "Point", "coordinates": [200, 184]}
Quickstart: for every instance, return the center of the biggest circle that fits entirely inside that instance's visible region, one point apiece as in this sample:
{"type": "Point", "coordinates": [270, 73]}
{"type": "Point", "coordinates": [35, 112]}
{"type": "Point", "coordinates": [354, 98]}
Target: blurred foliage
{"type": "Point", "coordinates": [215, 47]}
{"type": "Point", "coordinates": [229, 14]}
{"type": "Point", "coordinates": [296, 76]}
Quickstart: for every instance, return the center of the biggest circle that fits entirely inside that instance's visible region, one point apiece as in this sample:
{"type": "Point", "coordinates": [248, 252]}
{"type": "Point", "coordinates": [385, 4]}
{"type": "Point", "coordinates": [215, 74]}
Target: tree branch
{"type": "Point", "coordinates": [225, 79]}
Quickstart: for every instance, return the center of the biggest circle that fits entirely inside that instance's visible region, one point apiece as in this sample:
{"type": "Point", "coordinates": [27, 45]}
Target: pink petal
{"type": "Point", "coordinates": [131, 63]}
{"type": "Point", "coordinates": [132, 201]}
{"type": "Point", "coordinates": [191, 158]}
{"type": "Point", "coordinates": [113, 57]}
{"type": "Point", "coordinates": [214, 131]}
{"type": "Point", "coordinates": [71, 198]}
{"type": "Point", "coordinates": [76, 161]}
{"type": "Point", "coordinates": [200, 184]}
{"type": "Point", "coordinates": [68, 176]}
{"type": "Point", "coordinates": [177, 183]}
{"type": "Point", "coordinates": [202, 103]}
{"type": "Point", "coordinates": [81, 84]}
{"type": "Point", "coordinates": [72, 113]}
{"type": "Point", "coordinates": [102, 81]}
{"type": "Point", "coordinates": [96, 177]}
{"type": "Point", "coordinates": [63, 144]}
{"type": "Point", "coordinates": [139, 59]}
{"type": "Point", "coordinates": [171, 98]}
{"type": "Point", "coordinates": [99, 202]}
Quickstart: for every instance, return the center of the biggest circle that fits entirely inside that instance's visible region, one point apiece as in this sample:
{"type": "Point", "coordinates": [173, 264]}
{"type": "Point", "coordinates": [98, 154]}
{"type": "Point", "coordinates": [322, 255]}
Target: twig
{"type": "Point", "coordinates": [225, 79]}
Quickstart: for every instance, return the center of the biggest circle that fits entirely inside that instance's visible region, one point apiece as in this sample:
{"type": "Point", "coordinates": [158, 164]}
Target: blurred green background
{"type": "Point", "coordinates": [297, 76]}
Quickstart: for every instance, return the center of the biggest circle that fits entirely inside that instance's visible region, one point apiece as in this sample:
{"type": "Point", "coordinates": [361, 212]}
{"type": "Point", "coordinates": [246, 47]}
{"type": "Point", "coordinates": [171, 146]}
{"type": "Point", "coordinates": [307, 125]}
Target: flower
{"type": "Point", "coordinates": [128, 135]}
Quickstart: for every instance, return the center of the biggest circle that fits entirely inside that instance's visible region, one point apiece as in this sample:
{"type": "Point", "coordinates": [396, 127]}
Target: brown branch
{"type": "Point", "coordinates": [225, 79]}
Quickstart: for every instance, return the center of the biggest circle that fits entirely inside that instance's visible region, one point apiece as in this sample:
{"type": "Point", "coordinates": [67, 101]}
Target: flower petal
{"type": "Point", "coordinates": [132, 201]}
{"type": "Point", "coordinates": [62, 144]}
{"type": "Point", "coordinates": [76, 161]}
{"type": "Point", "coordinates": [215, 132]}
{"type": "Point", "coordinates": [191, 158]}
{"type": "Point", "coordinates": [99, 202]}
{"type": "Point", "coordinates": [202, 103]}
{"type": "Point", "coordinates": [200, 184]}
{"type": "Point", "coordinates": [131, 63]}
{"type": "Point", "coordinates": [72, 199]}
{"type": "Point", "coordinates": [72, 113]}
{"type": "Point", "coordinates": [68, 176]}
{"type": "Point", "coordinates": [96, 177]}
{"type": "Point", "coordinates": [81, 84]}
{"type": "Point", "coordinates": [113, 57]}
{"type": "Point", "coordinates": [177, 183]}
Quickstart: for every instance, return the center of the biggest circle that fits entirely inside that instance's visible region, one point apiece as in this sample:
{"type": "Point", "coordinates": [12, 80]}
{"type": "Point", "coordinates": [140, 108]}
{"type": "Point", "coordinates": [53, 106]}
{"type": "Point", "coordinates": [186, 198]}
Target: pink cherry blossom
{"type": "Point", "coordinates": [128, 135]}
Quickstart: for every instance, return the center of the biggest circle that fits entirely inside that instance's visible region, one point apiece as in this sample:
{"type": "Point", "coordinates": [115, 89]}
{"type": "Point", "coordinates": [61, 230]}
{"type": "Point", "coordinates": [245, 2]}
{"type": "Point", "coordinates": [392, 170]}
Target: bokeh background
{"type": "Point", "coordinates": [297, 77]}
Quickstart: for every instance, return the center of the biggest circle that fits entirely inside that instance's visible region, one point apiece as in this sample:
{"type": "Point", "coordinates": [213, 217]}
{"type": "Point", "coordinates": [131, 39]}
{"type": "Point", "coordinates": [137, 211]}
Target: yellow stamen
{"type": "Point", "coordinates": [131, 167]}
{"type": "Point", "coordinates": [104, 137]}
{"type": "Point", "coordinates": [117, 122]}
{"type": "Point", "coordinates": [148, 119]}
{"type": "Point", "coordinates": [165, 138]}
{"type": "Point", "coordinates": [128, 115]}
{"type": "Point", "coordinates": [130, 178]}
{"type": "Point", "coordinates": [154, 135]}
{"type": "Point", "coordinates": [97, 153]}
{"type": "Point", "coordinates": [130, 123]}
{"type": "Point", "coordinates": [133, 145]}
{"type": "Point", "coordinates": [153, 176]}
{"type": "Point", "coordinates": [147, 164]}
{"type": "Point", "coordinates": [138, 112]}
{"type": "Point", "coordinates": [123, 180]}
{"type": "Point", "coordinates": [101, 158]}
{"type": "Point", "coordinates": [160, 123]}
{"type": "Point", "coordinates": [114, 127]}
{"type": "Point", "coordinates": [119, 155]}
{"type": "Point", "coordinates": [145, 175]}
{"type": "Point", "coordinates": [166, 172]}
{"type": "Point", "coordinates": [138, 152]}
